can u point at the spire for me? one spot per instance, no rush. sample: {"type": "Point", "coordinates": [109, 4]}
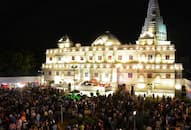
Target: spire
{"type": "Point", "coordinates": [153, 9]}
{"type": "Point", "coordinates": [154, 23]}
{"type": "Point", "coordinates": [64, 42]}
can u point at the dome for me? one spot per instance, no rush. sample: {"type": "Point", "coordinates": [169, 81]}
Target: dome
{"type": "Point", "coordinates": [106, 39]}
{"type": "Point", "coordinates": [64, 39]}
{"type": "Point", "coordinates": [64, 42]}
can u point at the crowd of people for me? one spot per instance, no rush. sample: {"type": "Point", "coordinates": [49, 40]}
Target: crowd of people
{"type": "Point", "coordinates": [49, 109]}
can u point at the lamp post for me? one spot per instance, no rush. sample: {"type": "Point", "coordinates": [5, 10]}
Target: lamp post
{"type": "Point", "coordinates": [41, 77]}
{"type": "Point", "coordinates": [61, 114]}
{"type": "Point", "coordinates": [74, 68]}
{"type": "Point", "coordinates": [21, 90]}
{"type": "Point", "coordinates": [134, 123]}
{"type": "Point", "coordinates": [150, 88]}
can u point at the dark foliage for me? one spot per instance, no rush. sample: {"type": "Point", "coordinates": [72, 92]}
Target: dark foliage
{"type": "Point", "coordinates": [19, 63]}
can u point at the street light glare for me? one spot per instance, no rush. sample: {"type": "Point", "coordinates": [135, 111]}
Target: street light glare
{"type": "Point", "coordinates": [134, 112]}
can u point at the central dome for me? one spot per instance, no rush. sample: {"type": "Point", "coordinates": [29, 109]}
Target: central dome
{"type": "Point", "coordinates": [106, 39]}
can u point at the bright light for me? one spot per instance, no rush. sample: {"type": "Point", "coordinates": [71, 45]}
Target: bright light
{"type": "Point", "coordinates": [148, 67]}
{"type": "Point", "coordinates": [141, 85]}
{"type": "Point", "coordinates": [99, 49]}
{"type": "Point", "coordinates": [86, 49]}
{"type": "Point", "coordinates": [60, 40]}
{"type": "Point", "coordinates": [164, 48]}
{"type": "Point", "coordinates": [147, 34]}
{"type": "Point", "coordinates": [141, 78]}
{"type": "Point", "coordinates": [157, 66]}
{"type": "Point", "coordinates": [101, 66]}
{"type": "Point", "coordinates": [164, 67]}
{"type": "Point", "coordinates": [140, 66]}
{"type": "Point", "coordinates": [118, 66]}
{"type": "Point", "coordinates": [82, 66]}
{"type": "Point", "coordinates": [20, 85]}
{"type": "Point", "coordinates": [108, 66]}
{"type": "Point", "coordinates": [95, 66]}
{"type": "Point", "coordinates": [157, 80]}
{"type": "Point", "coordinates": [171, 48]}
{"type": "Point", "coordinates": [176, 67]}
{"type": "Point", "coordinates": [134, 113]}
{"type": "Point", "coordinates": [158, 58]}
{"type": "Point", "coordinates": [172, 67]}
{"type": "Point", "coordinates": [158, 48]}
{"type": "Point", "coordinates": [178, 86]}
{"type": "Point", "coordinates": [88, 65]}
{"type": "Point", "coordinates": [168, 82]}
{"type": "Point", "coordinates": [57, 79]}
{"type": "Point", "coordinates": [134, 66]}
{"type": "Point", "coordinates": [142, 58]}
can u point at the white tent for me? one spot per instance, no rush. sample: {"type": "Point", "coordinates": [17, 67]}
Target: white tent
{"type": "Point", "coordinates": [14, 81]}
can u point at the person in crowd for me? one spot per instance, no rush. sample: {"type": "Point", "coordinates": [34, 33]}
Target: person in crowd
{"type": "Point", "coordinates": [40, 109]}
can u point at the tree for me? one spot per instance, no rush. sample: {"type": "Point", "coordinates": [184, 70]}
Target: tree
{"type": "Point", "coordinates": [16, 63]}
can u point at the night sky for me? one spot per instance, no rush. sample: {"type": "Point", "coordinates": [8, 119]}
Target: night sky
{"type": "Point", "coordinates": [37, 26]}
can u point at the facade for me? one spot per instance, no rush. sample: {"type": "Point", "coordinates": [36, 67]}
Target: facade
{"type": "Point", "coordinates": [147, 67]}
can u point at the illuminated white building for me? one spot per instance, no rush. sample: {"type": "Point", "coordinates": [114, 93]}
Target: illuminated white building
{"type": "Point", "coordinates": [148, 66]}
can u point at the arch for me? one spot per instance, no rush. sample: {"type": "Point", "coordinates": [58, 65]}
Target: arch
{"type": "Point", "coordinates": [141, 78]}
{"type": "Point", "coordinates": [158, 58]}
{"type": "Point", "coordinates": [142, 57]}
{"type": "Point", "coordinates": [157, 79]}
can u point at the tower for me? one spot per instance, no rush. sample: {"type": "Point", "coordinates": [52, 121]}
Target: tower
{"type": "Point", "coordinates": [154, 26]}
{"type": "Point", "coordinates": [156, 51]}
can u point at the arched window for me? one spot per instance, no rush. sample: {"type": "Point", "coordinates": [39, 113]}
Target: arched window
{"type": "Point", "coordinates": [157, 79]}
{"type": "Point", "coordinates": [153, 20]}
{"type": "Point", "coordinates": [143, 58]}
{"type": "Point", "coordinates": [158, 58]}
{"type": "Point", "coordinates": [154, 12]}
{"type": "Point", "coordinates": [141, 78]}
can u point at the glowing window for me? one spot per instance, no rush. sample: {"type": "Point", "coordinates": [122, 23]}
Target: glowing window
{"type": "Point", "coordinates": [149, 75]}
{"type": "Point", "coordinates": [109, 57]}
{"type": "Point", "coordinates": [150, 57]}
{"type": "Point", "coordinates": [130, 75]}
{"type": "Point", "coordinates": [130, 57]}
{"type": "Point", "coordinates": [81, 58]}
{"type": "Point", "coordinates": [167, 57]}
{"type": "Point", "coordinates": [178, 75]}
{"type": "Point", "coordinates": [120, 57]}
{"type": "Point", "coordinates": [69, 73]}
{"type": "Point", "coordinates": [86, 74]}
{"type": "Point", "coordinates": [168, 76]}
{"type": "Point", "coordinates": [99, 57]}
{"type": "Point", "coordinates": [90, 57]}
{"type": "Point", "coordinates": [95, 74]}
{"type": "Point", "coordinates": [73, 57]}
